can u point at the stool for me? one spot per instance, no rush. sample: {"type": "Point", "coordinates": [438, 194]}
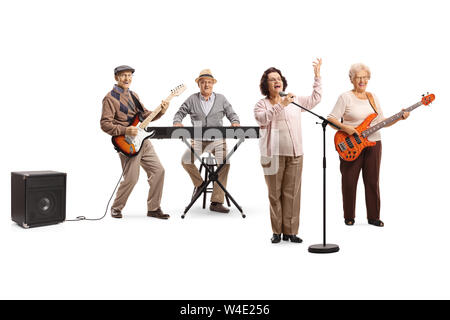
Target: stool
{"type": "Point", "coordinates": [209, 162]}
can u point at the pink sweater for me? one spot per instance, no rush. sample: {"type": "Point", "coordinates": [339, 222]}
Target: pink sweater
{"type": "Point", "coordinates": [267, 116]}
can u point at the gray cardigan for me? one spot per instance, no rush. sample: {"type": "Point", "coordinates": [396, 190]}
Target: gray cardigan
{"type": "Point", "coordinates": [193, 107]}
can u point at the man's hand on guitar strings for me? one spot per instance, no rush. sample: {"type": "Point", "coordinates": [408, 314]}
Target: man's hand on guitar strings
{"type": "Point", "coordinates": [131, 131]}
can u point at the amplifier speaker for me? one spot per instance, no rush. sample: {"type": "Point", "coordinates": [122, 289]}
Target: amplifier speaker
{"type": "Point", "coordinates": [38, 198]}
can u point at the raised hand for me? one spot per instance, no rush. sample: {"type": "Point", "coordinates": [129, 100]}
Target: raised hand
{"type": "Point", "coordinates": [316, 65]}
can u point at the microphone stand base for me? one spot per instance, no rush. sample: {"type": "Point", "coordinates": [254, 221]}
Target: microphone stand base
{"type": "Point", "coordinates": [321, 248]}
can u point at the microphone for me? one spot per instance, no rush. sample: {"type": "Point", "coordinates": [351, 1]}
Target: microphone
{"type": "Point", "coordinates": [283, 94]}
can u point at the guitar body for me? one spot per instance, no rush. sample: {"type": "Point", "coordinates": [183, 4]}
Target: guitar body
{"type": "Point", "coordinates": [130, 146]}
{"type": "Point", "coordinates": [350, 147]}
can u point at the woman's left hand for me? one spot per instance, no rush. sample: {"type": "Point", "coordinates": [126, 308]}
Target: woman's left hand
{"type": "Point", "coordinates": [316, 66]}
{"type": "Point", "coordinates": [405, 114]}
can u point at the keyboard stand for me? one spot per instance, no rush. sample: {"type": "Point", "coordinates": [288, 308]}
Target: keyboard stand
{"type": "Point", "coordinates": [212, 176]}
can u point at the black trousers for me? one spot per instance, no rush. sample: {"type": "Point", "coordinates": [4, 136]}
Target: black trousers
{"type": "Point", "coordinates": [369, 163]}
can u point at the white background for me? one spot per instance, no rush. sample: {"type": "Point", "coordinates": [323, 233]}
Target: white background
{"type": "Point", "coordinates": [57, 60]}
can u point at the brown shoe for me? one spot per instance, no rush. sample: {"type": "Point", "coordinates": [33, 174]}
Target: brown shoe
{"type": "Point", "coordinates": [116, 214]}
{"type": "Point", "coordinates": [218, 207]}
{"type": "Point", "coordinates": [158, 214]}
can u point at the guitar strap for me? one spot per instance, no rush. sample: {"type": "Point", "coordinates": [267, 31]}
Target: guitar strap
{"type": "Point", "coordinates": [138, 105]}
{"type": "Point", "coordinates": [372, 101]}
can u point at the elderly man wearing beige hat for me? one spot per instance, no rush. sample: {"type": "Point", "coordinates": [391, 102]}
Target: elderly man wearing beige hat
{"type": "Point", "coordinates": [207, 109]}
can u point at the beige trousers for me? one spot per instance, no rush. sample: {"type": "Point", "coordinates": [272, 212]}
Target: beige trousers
{"type": "Point", "coordinates": [219, 149]}
{"type": "Point", "coordinates": [148, 159]}
{"type": "Point", "coordinates": [283, 176]}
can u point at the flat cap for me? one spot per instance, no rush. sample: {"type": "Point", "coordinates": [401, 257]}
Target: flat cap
{"type": "Point", "coordinates": [123, 68]}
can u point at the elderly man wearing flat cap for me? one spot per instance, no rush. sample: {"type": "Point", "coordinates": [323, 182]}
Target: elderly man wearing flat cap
{"type": "Point", "coordinates": [120, 106]}
{"type": "Point", "coordinates": [207, 109]}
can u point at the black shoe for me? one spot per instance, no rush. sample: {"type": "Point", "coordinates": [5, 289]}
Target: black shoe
{"type": "Point", "coordinates": [293, 238]}
{"type": "Point", "coordinates": [276, 238]}
{"type": "Point", "coordinates": [377, 223]}
{"type": "Point", "coordinates": [349, 222]}
{"type": "Point", "coordinates": [218, 207]}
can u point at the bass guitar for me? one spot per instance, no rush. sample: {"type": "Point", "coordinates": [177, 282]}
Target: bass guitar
{"type": "Point", "coordinates": [350, 147]}
{"type": "Point", "coordinates": [130, 146]}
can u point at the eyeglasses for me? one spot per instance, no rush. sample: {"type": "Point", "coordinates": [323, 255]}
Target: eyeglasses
{"type": "Point", "coordinates": [125, 75]}
{"type": "Point", "coordinates": [362, 78]}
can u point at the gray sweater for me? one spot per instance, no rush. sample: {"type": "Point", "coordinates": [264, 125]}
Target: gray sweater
{"type": "Point", "coordinates": [193, 107]}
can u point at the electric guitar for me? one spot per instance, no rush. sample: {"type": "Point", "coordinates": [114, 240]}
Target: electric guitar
{"type": "Point", "coordinates": [130, 146]}
{"type": "Point", "coordinates": [350, 147]}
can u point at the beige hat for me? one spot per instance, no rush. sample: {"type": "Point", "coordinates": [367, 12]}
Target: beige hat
{"type": "Point", "coordinates": [205, 73]}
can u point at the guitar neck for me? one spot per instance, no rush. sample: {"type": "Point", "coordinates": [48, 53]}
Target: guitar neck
{"type": "Point", "coordinates": [388, 121]}
{"type": "Point", "coordinates": [144, 124]}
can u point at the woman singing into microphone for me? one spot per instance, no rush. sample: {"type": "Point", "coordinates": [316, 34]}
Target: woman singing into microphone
{"type": "Point", "coordinates": [281, 149]}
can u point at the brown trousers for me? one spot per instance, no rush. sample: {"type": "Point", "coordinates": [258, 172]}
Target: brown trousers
{"type": "Point", "coordinates": [148, 159]}
{"type": "Point", "coordinates": [369, 162]}
{"type": "Point", "coordinates": [219, 149]}
{"type": "Point", "coordinates": [284, 182]}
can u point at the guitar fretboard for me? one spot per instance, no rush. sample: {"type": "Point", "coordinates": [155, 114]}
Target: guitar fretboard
{"type": "Point", "coordinates": [174, 93]}
{"type": "Point", "coordinates": [154, 113]}
{"type": "Point", "coordinates": [388, 121]}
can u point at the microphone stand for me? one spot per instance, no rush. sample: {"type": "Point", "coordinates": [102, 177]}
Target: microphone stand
{"type": "Point", "coordinates": [323, 247]}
